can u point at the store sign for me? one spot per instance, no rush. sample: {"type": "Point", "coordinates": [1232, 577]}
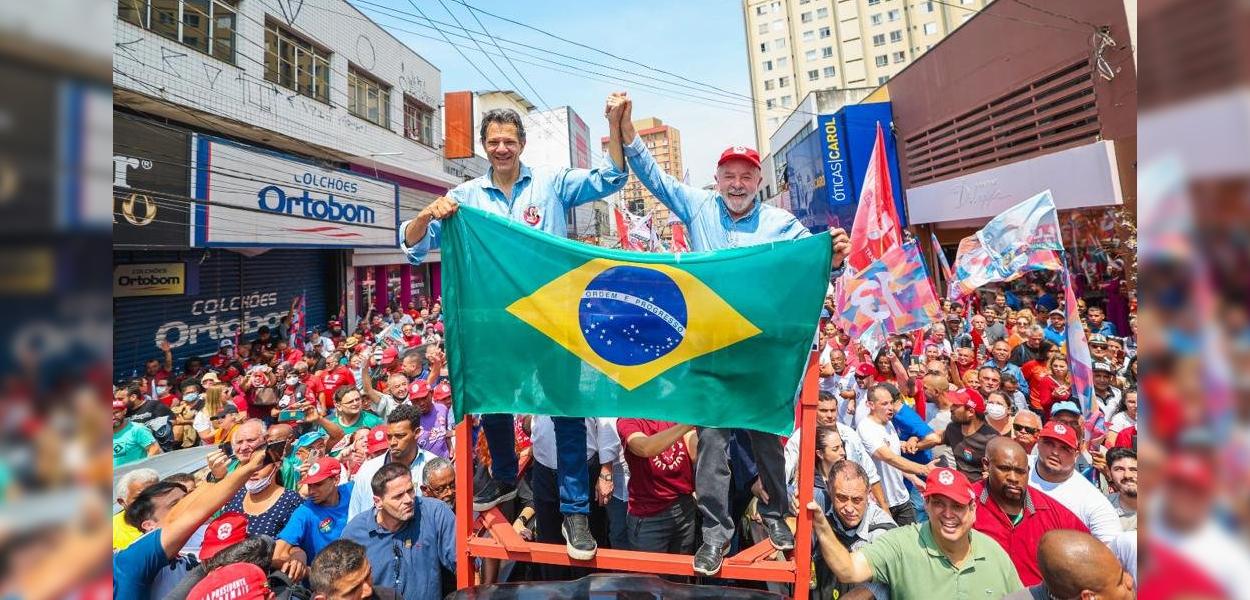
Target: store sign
{"type": "Point", "coordinates": [154, 279]}
{"type": "Point", "coordinates": [151, 184]}
{"type": "Point", "coordinates": [207, 320]}
{"type": "Point", "coordinates": [1081, 177]}
{"type": "Point", "coordinates": [261, 198]}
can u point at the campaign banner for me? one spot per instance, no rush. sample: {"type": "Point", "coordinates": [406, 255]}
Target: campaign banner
{"type": "Point", "coordinates": [258, 198]}
{"type": "Point", "coordinates": [893, 295]}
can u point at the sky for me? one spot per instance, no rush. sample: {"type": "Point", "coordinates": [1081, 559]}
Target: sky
{"type": "Point", "coordinates": [701, 40]}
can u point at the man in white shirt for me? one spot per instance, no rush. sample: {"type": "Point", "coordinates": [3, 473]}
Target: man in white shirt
{"type": "Point", "coordinates": [827, 414]}
{"type": "Point", "coordinates": [403, 426]}
{"type": "Point", "coordinates": [1055, 474]}
{"type": "Point", "coordinates": [853, 406]}
{"type": "Point", "coordinates": [881, 440]}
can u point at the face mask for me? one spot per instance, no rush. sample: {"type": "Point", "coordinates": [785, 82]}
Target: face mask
{"type": "Point", "coordinates": [160, 390]}
{"type": "Point", "coordinates": [190, 397]}
{"type": "Point", "coordinates": [292, 380]}
{"type": "Point", "coordinates": [996, 411]}
{"type": "Point", "coordinates": [255, 487]}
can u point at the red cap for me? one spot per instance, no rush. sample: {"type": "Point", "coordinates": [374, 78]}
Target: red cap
{"type": "Point", "coordinates": [865, 370]}
{"type": "Point", "coordinates": [442, 391]}
{"type": "Point", "coordinates": [389, 355]}
{"type": "Point", "coordinates": [747, 154]}
{"type": "Point", "coordinates": [418, 389]}
{"type": "Point", "coordinates": [950, 483]}
{"type": "Point", "coordinates": [1058, 431]}
{"type": "Point", "coordinates": [237, 581]}
{"type": "Point", "coordinates": [223, 532]}
{"type": "Point", "coordinates": [971, 399]}
{"type": "Point", "coordinates": [1189, 469]}
{"type": "Point", "coordinates": [378, 439]}
{"type": "Point", "coordinates": [323, 469]}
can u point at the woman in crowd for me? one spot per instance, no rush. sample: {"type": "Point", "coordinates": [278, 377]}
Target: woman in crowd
{"type": "Point", "coordinates": [1053, 385]}
{"type": "Point", "coordinates": [998, 412]}
{"type": "Point", "coordinates": [266, 503]}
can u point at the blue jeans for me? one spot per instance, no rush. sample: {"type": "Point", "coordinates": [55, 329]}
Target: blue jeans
{"type": "Point", "coordinates": [570, 458]}
{"type": "Point", "coordinates": [918, 501]}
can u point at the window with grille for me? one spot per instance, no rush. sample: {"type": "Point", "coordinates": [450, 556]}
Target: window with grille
{"type": "Point", "coordinates": [368, 98]}
{"type": "Point", "coordinates": [205, 25]}
{"type": "Point", "coordinates": [296, 64]}
{"type": "Point", "coordinates": [418, 121]}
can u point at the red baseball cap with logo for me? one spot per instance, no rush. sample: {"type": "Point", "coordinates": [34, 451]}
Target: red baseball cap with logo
{"type": "Point", "coordinates": [389, 355]}
{"type": "Point", "coordinates": [235, 581]}
{"type": "Point", "coordinates": [732, 152]}
{"type": "Point", "coordinates": [972, 399]}
{"type": "Point", "coordinates": [378, 439]}
{"type": "Point", "coordinates": [323, 469]}
{"type": "Point", "coordinates": [442, 391]}
{"type": "Point", "coordinates": [1190, 470]}
{"type": "Point", "coordinates": [1060, 432]}
{"type": "Point", "coordinates": [223, 532]}
{"type": "Point", "coordinates": [418, 389]}
{"type": "Point", "coordinates": [865, 370]}
{"type": "Point", "coordinates": [948, 482]}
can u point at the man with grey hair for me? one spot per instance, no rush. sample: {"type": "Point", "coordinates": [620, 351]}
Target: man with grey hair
{"type": "Point", "coordinates": [440, 481]}
{"type": "Point", "coordinates": [129, 486]}
{"type": "Point", "coordinates": [539, 197]}
{"type": "Point", "coordinates": [246, 439]}
{"type": "Point", "coordinates": [1034, 347]}
{"type": "Point", "coordinates": [848, 516]}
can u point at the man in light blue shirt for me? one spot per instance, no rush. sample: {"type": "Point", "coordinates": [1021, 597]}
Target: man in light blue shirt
{"type": "Point", "coordinates": [539, 197]}
{"type": "Point", "coordinates": [728, 216]}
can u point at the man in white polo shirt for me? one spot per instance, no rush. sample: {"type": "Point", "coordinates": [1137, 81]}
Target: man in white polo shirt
{"type": "Point", "coordinates": [1055, 474]}
{"type": "Point", "coordinates": [881, 441]}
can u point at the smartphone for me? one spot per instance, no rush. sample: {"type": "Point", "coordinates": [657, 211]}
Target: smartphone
{"type": "Point", "coordinates": [286, 416]}
{"type": "Point", "coordinates": [226, 449]}
{"type": "Point", "coordinates": [275, 452]}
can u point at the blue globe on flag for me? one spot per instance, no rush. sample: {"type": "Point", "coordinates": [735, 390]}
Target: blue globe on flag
{"type": "Point", "coordinates": [632, 315]}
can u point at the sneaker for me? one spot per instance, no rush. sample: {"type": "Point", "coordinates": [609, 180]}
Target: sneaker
{"type": "Point", "coordinates": [578, 541]}
{"type": "Point", "coordinates": [491, 494]}
{"type": "Point", "coordinates": [779, 534]}
{"type": "Point", "coordinates": [708, 559]}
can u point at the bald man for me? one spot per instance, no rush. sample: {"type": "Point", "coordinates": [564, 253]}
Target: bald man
{"type": "Point", "coordinates": [1076, 565]}
{"type": "Point", "coordinates": [1014, 514]}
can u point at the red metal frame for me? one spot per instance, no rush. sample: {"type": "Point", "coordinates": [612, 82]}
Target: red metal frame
{"type": "Point", "coordinates": [753, 564]}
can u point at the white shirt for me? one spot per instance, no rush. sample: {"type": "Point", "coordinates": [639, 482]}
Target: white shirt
{"type": "Point", "coordinates": [1121, 420]}
{"type": "Point", "coordinates": [1125, 549]}
{"type": "Point", "coordinates": [876, 435]}
{"type": "Point", "coordinates": [362, 492]}
{"type": "Point", "coordinates": [324, 346]}
{"type": "Point", "coordinates": [854, 447]}
{"type": "Point", "coordinates": [1212, 548]}
{"type": "Point", "coordinates": [1083, 499]}
{"type": "Point", "coordinates": [601, 438]}
{"type": "Point", "coordinates": [830, 383]}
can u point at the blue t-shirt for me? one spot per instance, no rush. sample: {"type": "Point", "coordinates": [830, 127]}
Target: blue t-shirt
{"type": "Point", "coordinates": [312, 526]}
{"type": "Point", "coordinates": [909, 424]}
{"type": "Point", "coordinates": [136, 567]}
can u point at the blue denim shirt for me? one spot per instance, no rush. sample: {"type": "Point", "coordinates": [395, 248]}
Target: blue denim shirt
{"type": "Point", "coordinates": [1013, 371]}
{"type": "Point", "coordinates": [540, 197]}
{"type": "Point", "coordinates": [408, 560]}
{"type": "Point", "coordinates": [704, 212]}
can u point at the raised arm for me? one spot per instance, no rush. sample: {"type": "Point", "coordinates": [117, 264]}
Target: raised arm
{"type": "Point", "coordinates": [193, 509]}
{"type": "Point", "coordinates": [680, 198]}
{"type": "Point", "coordinates": [848, 567]}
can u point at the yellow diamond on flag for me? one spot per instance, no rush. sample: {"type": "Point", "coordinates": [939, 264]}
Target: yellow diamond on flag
{"type": "Point", "coordinates": [632, 321]}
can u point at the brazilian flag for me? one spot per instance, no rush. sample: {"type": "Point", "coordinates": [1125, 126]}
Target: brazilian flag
{"type": "Point", "coordinates": [541, 324]}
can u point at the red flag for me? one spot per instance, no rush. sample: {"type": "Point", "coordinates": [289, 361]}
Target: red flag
{"type": "Point", "coordinates": [622, 230]}
{"type": "Point", "coordinates": [679, 238]}
{"type": "Point", "coordinates": [876, 227]}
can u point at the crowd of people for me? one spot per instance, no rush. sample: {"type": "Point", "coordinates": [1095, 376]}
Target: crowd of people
{"type": "Point", "coordinates": [952, 462]}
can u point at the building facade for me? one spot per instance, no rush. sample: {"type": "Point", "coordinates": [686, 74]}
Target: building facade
{"type": "Point", "coordinates": [664, 142]}
{"type": "Point", "coordinates": [263, 151]}
{"type": "Point", "coordinates": [797, 46]}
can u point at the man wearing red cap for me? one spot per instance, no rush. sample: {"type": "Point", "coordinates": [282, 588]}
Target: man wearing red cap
{"type": "Point", "coordinates": [1014, 514]}
{"type": "Point", "coordinates": [436, 429]}
{"type": "Point", "coordinates": [968, 433]}
{"type": "Point", "coordinates": [238, 581]}
{"type": "Point", "coordinates": [1054, 473]}
{"type": "Point", "coordinates": [319, 520]}
{"type": "Point", "coordinates": [727, 216]}
{"type": "Point", "coordinates": [943, 558]}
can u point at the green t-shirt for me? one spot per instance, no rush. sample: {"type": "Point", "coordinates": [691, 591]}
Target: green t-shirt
{"type": "Point", "coordinates": [909, 561]}
{"type": "Point", "coordinates": [131, 443]}
{"type": "Point", "coordinates": [367, 420]}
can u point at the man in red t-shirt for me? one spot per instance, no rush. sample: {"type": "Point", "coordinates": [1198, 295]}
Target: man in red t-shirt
{"type": "Point", "coordinates": [662, 511]}
{"type": "Point", "coordinates": [1012, 512]}
{"type": "Point", "coordinates": [333, 378]}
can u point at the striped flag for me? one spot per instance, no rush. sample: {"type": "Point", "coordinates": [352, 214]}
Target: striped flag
{"type": "Point", "coordinates": [1080, 364]}
{"type": "Point", "coordinates": [946, 266]}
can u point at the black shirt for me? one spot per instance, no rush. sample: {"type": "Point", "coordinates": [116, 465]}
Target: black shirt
{"type": "Point", "coordinates": [968, 450]}
{"type": "Point", "coordinates": [158, 419]}
{"type": "Point", "coordinates": [1023, 353]}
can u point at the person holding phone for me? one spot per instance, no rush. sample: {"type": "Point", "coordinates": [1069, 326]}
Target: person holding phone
{"type": "Point", "coordinates": [266, 503]}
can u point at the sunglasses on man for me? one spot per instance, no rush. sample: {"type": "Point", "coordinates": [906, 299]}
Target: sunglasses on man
{"type": "Point", "coordinates": [1026, 429]}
